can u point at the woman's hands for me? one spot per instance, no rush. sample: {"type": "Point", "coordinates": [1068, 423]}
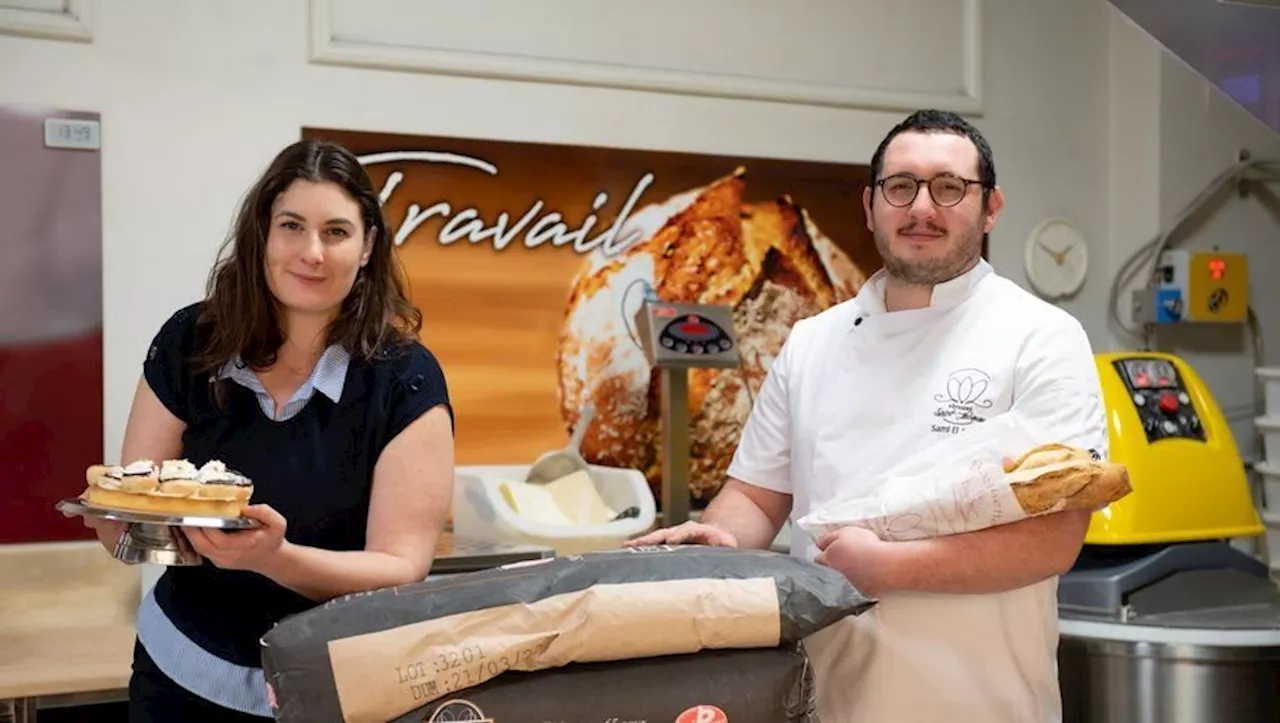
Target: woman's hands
{"type": "Point", "coordinates": [253, 550]}
{"type": "Point", "coordinates": [109, 531]}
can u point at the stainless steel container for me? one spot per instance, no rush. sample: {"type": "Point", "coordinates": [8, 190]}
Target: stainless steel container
{"type": "Point", "coordinates": [1131, 680]}
{"type": "Point", "coordinates": [1183, 633]}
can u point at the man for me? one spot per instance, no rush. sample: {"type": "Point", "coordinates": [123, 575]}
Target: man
{"type": "Point", "coordinates": [933, 344]}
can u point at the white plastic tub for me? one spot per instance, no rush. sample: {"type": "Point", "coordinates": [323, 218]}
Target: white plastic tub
{"type": "Point", "coordinates": [1272, 522]}
{"type": "Point", "coordinates": [1270, 378]}
{"type": "Point", "coordinates": [481, 513]}
{"type": "Point", "coordinates": [1269, 428]}
{"type": "Point", "coordinates": [1269, 472]}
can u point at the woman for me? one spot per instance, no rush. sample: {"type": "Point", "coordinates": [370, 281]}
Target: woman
{"type": "Point", "coordinates": [301, 369]}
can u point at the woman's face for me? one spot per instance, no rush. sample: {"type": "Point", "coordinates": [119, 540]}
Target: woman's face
{"type": "Point", "coordinates": [316, 244]}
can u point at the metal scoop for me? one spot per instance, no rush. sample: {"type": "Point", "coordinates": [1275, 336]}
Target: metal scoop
{"type": "Point", "coordinates": [554, 465]}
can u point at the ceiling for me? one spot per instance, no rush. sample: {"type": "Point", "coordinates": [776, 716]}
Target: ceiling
{"type": "Point", "coordinates": [1235, 44]}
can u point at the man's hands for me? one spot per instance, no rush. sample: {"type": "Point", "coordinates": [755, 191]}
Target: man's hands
{"type": "Point", "coordinates": [251, 550]}
{"type": "Point", "coordinates": [688, 533]}
{"type": "Point", "coordinates": [741, 515]}
{"type": "Point", "coordinates": [860, 556]}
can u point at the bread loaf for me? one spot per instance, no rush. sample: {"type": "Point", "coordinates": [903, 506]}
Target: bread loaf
{"type": "Point", "coordinates": [1056, 477]}
{"type": "Point", "coordinates": [767, 260]}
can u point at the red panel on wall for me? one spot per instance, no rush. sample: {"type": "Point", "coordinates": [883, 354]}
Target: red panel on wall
{"type": "Point", "coordinates": [50, 430]}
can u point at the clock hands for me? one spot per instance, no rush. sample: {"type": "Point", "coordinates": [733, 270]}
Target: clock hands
{"type": "Point", "coordinates": [1058, 256]}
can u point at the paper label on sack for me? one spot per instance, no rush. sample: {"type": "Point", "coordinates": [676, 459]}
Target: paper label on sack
{"type": "Point", "coordinates": [380, 676]}
{"type": "Point", "coordinates": [955, 486]}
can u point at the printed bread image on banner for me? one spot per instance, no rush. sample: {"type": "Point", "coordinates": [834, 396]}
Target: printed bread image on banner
{"type": "Point", "coordinates": [530, 260]}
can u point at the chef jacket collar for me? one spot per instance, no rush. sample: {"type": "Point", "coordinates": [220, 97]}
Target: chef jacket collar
{"type": "Point", "coordinates": [870, 298]}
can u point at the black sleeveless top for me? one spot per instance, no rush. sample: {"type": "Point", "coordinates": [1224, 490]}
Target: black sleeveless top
{"type": "Point", "coordinates": [315, 469]}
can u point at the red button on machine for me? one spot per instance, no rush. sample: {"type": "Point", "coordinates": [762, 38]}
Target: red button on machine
{"type": "Point", "coordinates": [1168, 402]}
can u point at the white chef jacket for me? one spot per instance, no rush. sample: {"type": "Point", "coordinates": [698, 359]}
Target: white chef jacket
{"type": "Point", "coordinates": [854, 390]}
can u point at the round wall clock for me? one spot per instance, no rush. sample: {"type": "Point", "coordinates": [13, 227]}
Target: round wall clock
{"type": "Point", "coordinates": [1057, 258]}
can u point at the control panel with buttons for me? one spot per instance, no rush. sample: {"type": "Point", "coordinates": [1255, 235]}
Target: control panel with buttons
{"type": "Point", "coordinates": [1161, 400]}
{"type": "Point", "coordinates": [687, 335]}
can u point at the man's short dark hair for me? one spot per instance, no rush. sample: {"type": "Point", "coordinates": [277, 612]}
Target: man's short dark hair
{"type": "Point", "coordinates": [941, 121]}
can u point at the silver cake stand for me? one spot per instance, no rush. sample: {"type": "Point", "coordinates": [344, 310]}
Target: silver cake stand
{"type": "Point", "coordinates": [153, 537]}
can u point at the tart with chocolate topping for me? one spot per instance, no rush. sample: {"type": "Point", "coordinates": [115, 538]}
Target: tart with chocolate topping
{"type": "Point", "coordinates": [172, 487]}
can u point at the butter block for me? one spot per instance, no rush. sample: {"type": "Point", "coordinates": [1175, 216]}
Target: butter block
{"type": "Point", "coordinates": [569, 500]}
{"type": "Point", "coordinates": [533, 502]}
{"type": "Point", "coordinates": [576, 496]}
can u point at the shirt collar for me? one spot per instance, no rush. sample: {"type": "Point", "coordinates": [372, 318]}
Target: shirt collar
{"type": "Point", "coordinates": [329, 376]}
{"type": "Point", "coordinates": [870, 297]}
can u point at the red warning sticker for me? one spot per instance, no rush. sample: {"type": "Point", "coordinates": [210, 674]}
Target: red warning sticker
{"type": "Point", "coordinates": [703, 714]}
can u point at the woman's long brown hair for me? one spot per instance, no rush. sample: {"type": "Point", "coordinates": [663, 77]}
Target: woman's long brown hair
{"type": "Point", "coordinates": [239, 316]}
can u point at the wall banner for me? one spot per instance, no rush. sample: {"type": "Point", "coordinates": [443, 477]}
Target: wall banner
{"type": "Point", "coordinates": [528, 261]}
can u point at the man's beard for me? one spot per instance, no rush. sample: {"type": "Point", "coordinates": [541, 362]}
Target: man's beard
{"type": "Point", "coordinates": [929, 272]}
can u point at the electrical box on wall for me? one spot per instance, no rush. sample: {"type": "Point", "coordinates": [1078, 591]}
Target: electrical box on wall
{"type": "Point", "coordinates": [1196, 287]}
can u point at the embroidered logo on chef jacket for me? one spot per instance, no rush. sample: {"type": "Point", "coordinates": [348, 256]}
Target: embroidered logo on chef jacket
{"type": "Point", "coordinates": [962, 401]}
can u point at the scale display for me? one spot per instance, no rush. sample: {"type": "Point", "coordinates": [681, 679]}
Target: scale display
{"type": "Point", "coordinates": [687, 335]}
{"type": "Point", "coordinates": [694, 334]}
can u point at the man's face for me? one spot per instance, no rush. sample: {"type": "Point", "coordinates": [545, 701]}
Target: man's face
{"type": "Point", "coordinates": [926, 242]}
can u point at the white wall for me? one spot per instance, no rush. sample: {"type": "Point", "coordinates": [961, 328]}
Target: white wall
{"type": "Point", "coordinates": [1201, 133]}
{"type": "Point", "coordinates": [195, 98]}
{"type": "Point", "coordinates": [1172, 133]}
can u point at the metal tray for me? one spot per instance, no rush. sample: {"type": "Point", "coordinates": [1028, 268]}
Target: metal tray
{"type": "Point", "coordinates": [76, 506]}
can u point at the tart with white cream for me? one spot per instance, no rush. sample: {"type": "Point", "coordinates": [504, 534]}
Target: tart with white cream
{"type": "Point", "coordinates": [172, 487]}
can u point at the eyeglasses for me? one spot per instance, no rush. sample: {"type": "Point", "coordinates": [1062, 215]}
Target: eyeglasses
{"type": "Point", "coordinates": [945, 190]}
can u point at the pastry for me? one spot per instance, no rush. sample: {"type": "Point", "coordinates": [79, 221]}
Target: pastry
{"type": "Point", "coordinates": [766, 260]}
{"type": "Point", "coordinates": [174, 487]}
{"type": "Point", "coordinates": [1056, 477]}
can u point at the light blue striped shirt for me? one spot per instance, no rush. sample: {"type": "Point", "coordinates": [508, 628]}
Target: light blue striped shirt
{"type": "Point", "coordinates": [229, 685]}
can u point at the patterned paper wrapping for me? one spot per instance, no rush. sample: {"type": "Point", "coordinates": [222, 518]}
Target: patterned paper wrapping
{"type": "Point", "coordinates": [955, 486]}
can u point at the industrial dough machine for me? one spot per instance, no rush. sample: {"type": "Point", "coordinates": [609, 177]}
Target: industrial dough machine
{"type": "Point", "coordinates": [1162, 619]}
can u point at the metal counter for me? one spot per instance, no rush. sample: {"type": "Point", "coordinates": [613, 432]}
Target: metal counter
{"type": "Point", "coordinates": [455, 555]}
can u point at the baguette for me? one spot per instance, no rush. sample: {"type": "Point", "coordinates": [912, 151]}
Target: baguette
{"type": "Point", "coordinates": [1056, 477]}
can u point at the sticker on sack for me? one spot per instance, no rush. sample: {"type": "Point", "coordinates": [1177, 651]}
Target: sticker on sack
{"type": "Point", "coordinates": [458, 710]}
{"type": "Point", "coordinates": [703, 714]}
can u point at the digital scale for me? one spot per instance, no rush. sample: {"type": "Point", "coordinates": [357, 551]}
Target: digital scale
{"type": "Point", "coordinates": [153, 537]}
{"type": "Point", "coordinates": [675, 338]}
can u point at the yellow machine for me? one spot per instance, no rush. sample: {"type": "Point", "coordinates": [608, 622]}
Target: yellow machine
{"type": "Point", "coordinates": [1162, 615]}
{"type": "Point", "coordinates": [1189, 481]}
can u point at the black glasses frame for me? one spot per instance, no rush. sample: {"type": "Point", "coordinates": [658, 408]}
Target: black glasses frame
{"type": "Point", "coordinates": [929, 181]}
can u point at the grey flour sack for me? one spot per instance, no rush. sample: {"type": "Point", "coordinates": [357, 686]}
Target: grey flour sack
{"type": "Point", "coordinates": [707, 626]}
{"type": "Point", "coordinates": [749, 685]}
